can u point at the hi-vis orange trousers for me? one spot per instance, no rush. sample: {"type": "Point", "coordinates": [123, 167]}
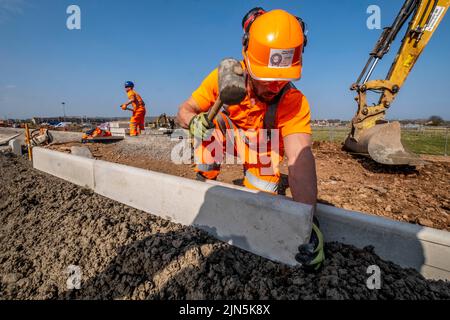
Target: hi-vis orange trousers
{"type": "Point", "coordinates": [137, 121]}
{"type": "Point", "coordinates": [258, 151]}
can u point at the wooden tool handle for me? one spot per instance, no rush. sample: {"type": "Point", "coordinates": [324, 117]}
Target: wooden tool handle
{"type": "Point", "coordinates": [214, 109]}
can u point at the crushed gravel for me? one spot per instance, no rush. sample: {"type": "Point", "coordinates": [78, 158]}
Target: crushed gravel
{"type": "Point", "coordinates": [47, 225]}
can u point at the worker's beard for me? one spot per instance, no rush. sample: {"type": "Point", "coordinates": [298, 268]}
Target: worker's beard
{"type": "Point", "coordinates": [266, 97]}
{"type": "Point", "coordinates": [263, 93]}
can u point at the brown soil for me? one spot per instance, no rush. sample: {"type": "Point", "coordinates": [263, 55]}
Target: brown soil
{"type": "Point", "coordinates": [415, 195]}
{"type": "Point", "coordinates": [47, 224]}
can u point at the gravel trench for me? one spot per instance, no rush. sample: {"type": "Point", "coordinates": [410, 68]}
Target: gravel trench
{"type": "Point", "coordinates": [47, 224]}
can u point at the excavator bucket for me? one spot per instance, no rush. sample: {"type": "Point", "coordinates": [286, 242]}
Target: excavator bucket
{"type": "Point", "coordinates": [382, 143]}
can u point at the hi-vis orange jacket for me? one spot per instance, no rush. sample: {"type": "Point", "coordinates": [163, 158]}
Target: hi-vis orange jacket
{"type": "Point", "coordinates": [138, 102]}
{"type": "Point", "coordinates": [292, 113]}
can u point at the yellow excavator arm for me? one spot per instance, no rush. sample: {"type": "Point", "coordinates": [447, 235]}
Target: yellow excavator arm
{"type": "Point", "coordinates": [371, 134]}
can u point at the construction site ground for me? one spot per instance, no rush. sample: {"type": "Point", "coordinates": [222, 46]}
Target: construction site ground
{"type": "Point", "coordinates": [48, 225]}
{"type": "Point", "coordinates": [416, 195]}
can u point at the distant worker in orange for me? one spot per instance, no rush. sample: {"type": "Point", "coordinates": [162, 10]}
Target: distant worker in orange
{"type": "Point", "coordinates": [137, 120]}
{"type": "Point", "coordinates": [273, 44]}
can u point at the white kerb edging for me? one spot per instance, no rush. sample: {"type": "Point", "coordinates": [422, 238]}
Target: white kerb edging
{"type": "Point", "coordinates": [408, 245]}
{"type": "Point", "coordinates": [76, 169]}
{"type": "Point", "coordinates": [270, 226]}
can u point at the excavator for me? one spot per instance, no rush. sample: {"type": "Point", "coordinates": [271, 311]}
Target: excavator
{"type": "Point", "coordinates": [164, 123]}
{"type": "Point", "coordinates": [371, 134]}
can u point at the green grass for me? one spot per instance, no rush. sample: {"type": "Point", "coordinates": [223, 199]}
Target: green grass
{"type": "Point", "coordinates": [431, 142]}
{"type": "Point", "coordinates": [330, 134]}
{"type": "Point", "coordinates": [428, 141]}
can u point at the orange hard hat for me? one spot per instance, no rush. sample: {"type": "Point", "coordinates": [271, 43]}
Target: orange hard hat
{"type": "Point", "coordinates": [273, 46]}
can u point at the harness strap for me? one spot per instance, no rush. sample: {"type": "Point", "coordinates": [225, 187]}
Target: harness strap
{"type": "Point", "coordinates": [270, 116]}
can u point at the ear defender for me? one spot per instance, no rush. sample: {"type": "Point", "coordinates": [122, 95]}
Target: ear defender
{"type": "Point", "coordinates": [304, 30]}
{"type": "Point", "coordinates": [247, 22]}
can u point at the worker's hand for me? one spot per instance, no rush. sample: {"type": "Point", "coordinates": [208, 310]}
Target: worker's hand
{"type": "Point", "coordinates": [311, 255]}
{"type": "Point", "coordinates": [124, 106]}
{"type": "Point", "coordinates": [200, 126]}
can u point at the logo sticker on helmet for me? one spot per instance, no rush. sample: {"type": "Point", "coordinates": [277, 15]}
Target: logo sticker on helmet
{"type": "Point", "coordinates": [281, 58]}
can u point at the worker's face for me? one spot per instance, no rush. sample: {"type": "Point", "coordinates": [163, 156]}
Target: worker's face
{"type": "Point", "coordinates": [266, 91]}
{"type": "Point", "coordinates": [128, 89]}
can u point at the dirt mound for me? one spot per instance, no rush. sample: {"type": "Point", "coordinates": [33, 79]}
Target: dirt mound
{"type": "Point", "coordinates": [416, 195]}
{"type": "Point", "coordinates": [47, 224]}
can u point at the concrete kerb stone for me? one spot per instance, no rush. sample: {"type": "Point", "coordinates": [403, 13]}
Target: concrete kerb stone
{"type": "Point", "coordinates": [119, 124]}
{"type": "Point", "coordinates": [16, 147]}
{"type": "Point", "coordinates": [8, 139]}
{"type": "Point", "coordinates": [120, 131]}
{"type": "Point", "coordinates": [75, 169]}
{"type": "Point", "coordinates": [424, 249]}
{"type": "Point", "coordinates": [81, 151]}
{"type": "Point", "coordinates": [270, 226]}
{"type": "Point", "coordinates": [267, 219]}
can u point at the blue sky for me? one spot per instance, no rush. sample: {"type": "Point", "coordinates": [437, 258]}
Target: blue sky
{"type": "Point", "coordinates": [168, 47]}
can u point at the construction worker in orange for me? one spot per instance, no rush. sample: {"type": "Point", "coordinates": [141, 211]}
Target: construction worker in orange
{"type": "Point", "coordinates": [137, 120]}
{"type": "Point", "coordinates": [273, 44]}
